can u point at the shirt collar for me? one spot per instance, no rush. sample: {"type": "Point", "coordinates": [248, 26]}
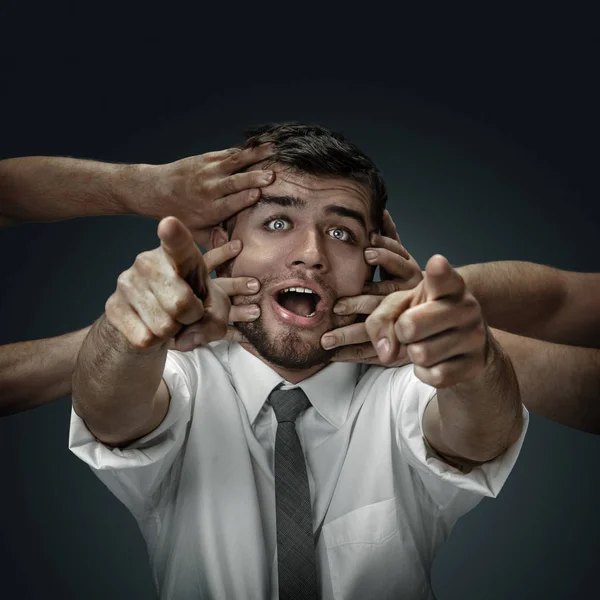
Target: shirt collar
{"type": "Point", "coordinates": [330, 390]}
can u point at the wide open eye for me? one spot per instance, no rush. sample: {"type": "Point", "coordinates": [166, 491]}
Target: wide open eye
{"type": "Point", "coordinates": [343, 235]}
{"type": "Point", "coordinates": [277, 224]}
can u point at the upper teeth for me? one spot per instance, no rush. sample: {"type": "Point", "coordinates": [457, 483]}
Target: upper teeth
{"type": "Point", "coordinates": [302, 290]}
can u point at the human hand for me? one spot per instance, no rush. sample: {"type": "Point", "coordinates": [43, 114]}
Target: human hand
{"type": "Point", "coordinates": [440, 324]}
{"type": "Point", "coordinates": [205, 190]}
{"type": "Point", "coordinates": [398, 271]}
{"type": "Point", "coordinates": [233, 286]}
{"type": "Point", "coordinates": [167, 294]}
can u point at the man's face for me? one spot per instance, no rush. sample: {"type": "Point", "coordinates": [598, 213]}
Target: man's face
{"type": "Point", "coordinates": [304, 241]}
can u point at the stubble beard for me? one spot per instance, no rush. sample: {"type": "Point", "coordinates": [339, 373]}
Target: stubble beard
{"type": "Point", "coordinates": [285, 349]}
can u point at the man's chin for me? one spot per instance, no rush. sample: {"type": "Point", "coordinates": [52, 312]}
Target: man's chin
{"type": "Point", "coordinates": [294, 348]}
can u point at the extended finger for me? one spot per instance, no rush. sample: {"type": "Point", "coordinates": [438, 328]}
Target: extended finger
{"type": "Point", "coordinates": [441, 279]}
{"type": "Point", "coordinates": [178, 245]}
{"type": "Point", "coordinates": [388, 227]}
{"type": "Point", "coordinates": [244, 313]}
{"type": "Point", "coordinates": [389, 286]}
{"type": "Point", "coordinates": [357, 305]}
{"type": "Point", "coordinates": [431, 318]}
{"type": "Point", "coordinates": [395, 265]}
{"type": "Point", "coordinates": [235, 161]}
{"type": "Point", "coordinates": [221, 254]}
{"type": "Point", "coordinates": [447, 345]}
{"type": "Point", "coordinates": [391, 244]}
{"type": "Point", "coordinates": [366, 354]}
{"type": "Point", "coordinates": [358, 353]}
{"type": "Point", "coordinates": [243, 181]}
{"type": "Point", "coordinates": [226, 207]}
{"type": "Point", "coordinates": [344, 336]}
{"type": "Point", "coordinates": [380, 324]}
{"type": "Point", "coordinates": [238, 286]}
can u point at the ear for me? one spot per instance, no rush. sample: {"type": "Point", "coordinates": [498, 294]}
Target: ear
{"type": "Point", "coordinates": [218, 237]}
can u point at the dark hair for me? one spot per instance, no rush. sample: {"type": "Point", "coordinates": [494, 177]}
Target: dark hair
{"type": "Point", "coordinates": [316, 150]}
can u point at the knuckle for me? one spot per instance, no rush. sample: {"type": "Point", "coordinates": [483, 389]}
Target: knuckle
{"type": "Point", "coordinates": [359, 352]}
{"type": "Point", "coordinates": [373, 324]}
{"type": "Point", "coordinates": [180, 302]}
{"type": "Point", "coordinates": [406, 327]}
{"type": "Point", "coordinates": [437, 376]}
{"type": "Point", "coordinates": [143, 262]}
{"type": "Point", "coordinates": [418, 353]}
{"type": "Point", "coordinates": [230, 186]}
{"type": "Point", "coordinates": [470, 301]}
{"type": "Point", "coordinates": [141, 340]}
{"type": "Point", "coordinates": [165, 328]}
{"type": "Point", "coordinates": [124, 281]}
{"type": "Point", "coordinates": [235, 157]}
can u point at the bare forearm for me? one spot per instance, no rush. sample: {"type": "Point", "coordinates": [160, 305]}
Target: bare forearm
{"type": "Point", "coordinates": [115, 385]}
{"type": "Point", "coordinates": [42, 188]}
{"type": "Point", "coordinates": [558, 382]}
{"type": "Point", "coordinates": [538, 301]}
{"type": "Point", "coordinates": [515, 296]}
{"type": "Point", "coordinates": [37, 372]}
{"type": "Point", "coordinates": [478, 419]}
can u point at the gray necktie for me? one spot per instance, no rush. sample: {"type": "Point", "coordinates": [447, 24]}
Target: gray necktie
{"type": "Point", "coordinates": [295, 541]}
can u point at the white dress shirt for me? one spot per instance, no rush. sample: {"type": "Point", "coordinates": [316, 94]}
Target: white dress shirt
{"type": "Point", "coordinates": [201, 486]}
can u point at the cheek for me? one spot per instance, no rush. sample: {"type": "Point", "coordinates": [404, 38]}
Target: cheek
{"type": "Point", "coordinates": [351, 274]}
{"type": "Point", "coordinates": [254, 261]}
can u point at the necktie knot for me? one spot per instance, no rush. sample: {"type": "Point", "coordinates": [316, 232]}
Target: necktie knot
{"type": "Point", "coordinates": [288, 404]}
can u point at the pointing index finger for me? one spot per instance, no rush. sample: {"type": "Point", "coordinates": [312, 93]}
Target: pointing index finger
{"type": "Point", "coordinates": [178, 244]}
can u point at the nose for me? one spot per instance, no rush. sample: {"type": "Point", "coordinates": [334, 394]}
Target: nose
{"type": "Point", "coordinates": [309, 252]}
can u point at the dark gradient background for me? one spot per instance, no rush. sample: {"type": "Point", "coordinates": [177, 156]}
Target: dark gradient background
{"type": "Point", "coordinates": [487, 134]}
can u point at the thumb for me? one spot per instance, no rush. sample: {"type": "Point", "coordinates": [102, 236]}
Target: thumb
{"type": "Point", "coordinates": [441, 279]}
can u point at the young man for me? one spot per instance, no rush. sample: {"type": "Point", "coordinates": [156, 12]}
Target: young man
{"type": "Point", "coordinates": [202, 190]}
{"type": "Point", "coordinates": [261, 469]}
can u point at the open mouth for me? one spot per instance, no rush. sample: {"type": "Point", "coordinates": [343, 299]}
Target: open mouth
{"type": "Point", "coordinates": [301, 301]}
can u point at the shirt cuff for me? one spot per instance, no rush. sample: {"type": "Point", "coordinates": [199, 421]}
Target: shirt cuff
{"type": "Point", "coordinates": [149, 449]}
{"type": "Point", "coordinates": [486, 479]}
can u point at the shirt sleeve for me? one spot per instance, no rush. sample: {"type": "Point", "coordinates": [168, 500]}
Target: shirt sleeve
{"type": "Point", "coordinates": [452, 489]}
{"type": "Point", "coordinates": [140, 474]}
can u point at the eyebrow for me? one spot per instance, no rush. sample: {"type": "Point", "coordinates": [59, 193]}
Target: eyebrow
{"type": "Point", "coordinates": [342, 211]}
{"type": "Point", "coordinates": [286, 201]}
{"type": "Point", "coordinates": [295, 202]}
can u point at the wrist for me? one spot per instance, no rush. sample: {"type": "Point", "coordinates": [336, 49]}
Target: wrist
{"type": "Point", "coordinates": [141, 189]}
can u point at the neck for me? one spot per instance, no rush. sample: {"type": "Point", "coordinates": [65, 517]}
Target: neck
{"type": "Point", "coordinates": [291, 375]}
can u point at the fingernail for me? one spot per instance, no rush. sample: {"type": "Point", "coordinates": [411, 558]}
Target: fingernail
{"type": "Point", "coordinates": [236, 245]}
{"type": "Point", "coordinates": [383, 347]}
{"type": "Point", "coordinates": [374, 239]}
{"type": "Point", "coordinates": [197, 339]}
{"type": "Point", "coordinates": [253, 285]}
{"type": "Point", "coordinates": [268, 176]}
{"type": "Point", "coordinates": [254, 312]}
{"type": "Point", "coordinates": [370, 254]}
{"type": "Point", "coordinates": [328, 341]}
{"type": "Point", "coordinates": [340, 308]}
